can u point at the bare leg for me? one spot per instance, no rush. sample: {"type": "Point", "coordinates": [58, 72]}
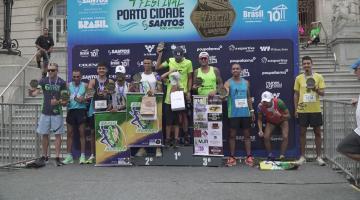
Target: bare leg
{"type": "Point", "coordinates": [318, 141]}
{"type": "Point", "coordinates": [302, 140]}
{"type": "Point", "coordinates": [247, 141]}
{"type": "Point", "coordinates": [285, 137]}
{"type": "Point", "coordinates": [69, 138]}
{"type": "Point", "coordinates": [82, 137]}
{"type": "Point", "coordinates": [232, 141]}
{"type": "Point", "coordinates": [267, 136]}
{"type": "Point", "coordinates": [57, 145]}
{"type": "Point", "coordinates": [45, 144]}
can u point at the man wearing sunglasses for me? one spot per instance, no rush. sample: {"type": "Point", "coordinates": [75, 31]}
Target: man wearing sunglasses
{"type": "Point", "coordinates": [184, 67]}
{"type": "Point", "coordinates": [210, 77]}
{"type": "Point", "coordinates": [76, 116]}
{"type": "Point", "coordinates": [51, 120]}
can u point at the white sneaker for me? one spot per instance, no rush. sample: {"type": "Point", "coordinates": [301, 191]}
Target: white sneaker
{"type": "Point", "coordinates": [320, 161]}
{"type": "Point", "coordinates": [301, 160]}
{"type": "Point", "coordinates": [141, 152]}
{"type": "Point", "coordinates": [158, 152]}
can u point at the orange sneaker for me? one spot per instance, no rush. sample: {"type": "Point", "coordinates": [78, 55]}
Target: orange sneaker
{"type": "Point", "coordinates": [231, 161]}
{"type": "Point", "coordinates": [249, 161]}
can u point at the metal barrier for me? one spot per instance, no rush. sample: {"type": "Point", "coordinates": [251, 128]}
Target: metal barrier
{"type": "Point", "coordinates": [18, 139]}
{"type": "Point", "coordinates": [339, 120]}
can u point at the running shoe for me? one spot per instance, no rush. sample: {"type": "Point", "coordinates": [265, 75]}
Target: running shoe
{"type": "Point", "coordinates": [90, 160]}
{"type": "Point", "coordinates": [249, 161]}
{"type": "Point", "coordinates": [68, 160]}
{"type": "Point", "coordinates": [231, 161]}
{"type": "Point", "coordinates": [82, 160]}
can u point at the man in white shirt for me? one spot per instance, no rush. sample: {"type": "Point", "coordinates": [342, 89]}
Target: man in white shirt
{"type": "Point", "coordinates": [350, 145]}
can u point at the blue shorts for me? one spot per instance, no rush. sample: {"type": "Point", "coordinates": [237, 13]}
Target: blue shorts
{"type": "Point", "coordinates": [50, 124]}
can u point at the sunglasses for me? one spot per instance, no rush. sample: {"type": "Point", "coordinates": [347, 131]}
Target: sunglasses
{"type": "Point", "coordinates": [204, 58]}
{"type": "Point", "coordinates": [76, 76]}
{"type": "Point", "coordinates": [51, 70]}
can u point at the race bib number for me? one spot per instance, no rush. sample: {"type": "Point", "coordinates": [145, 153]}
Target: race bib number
{"type": "Point", "coordinates": [308, 98]}
{"type": "Point", "coordinates": [241, 103]}
{"type": "Point", "coordinates": [100, 104]}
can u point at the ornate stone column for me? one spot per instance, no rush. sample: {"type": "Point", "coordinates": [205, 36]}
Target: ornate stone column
{"type": "Point", "coordinates": [346, 31]}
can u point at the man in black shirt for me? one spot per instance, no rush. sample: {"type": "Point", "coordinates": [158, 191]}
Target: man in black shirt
{"type": "Point", "coordinates": [44, 43]}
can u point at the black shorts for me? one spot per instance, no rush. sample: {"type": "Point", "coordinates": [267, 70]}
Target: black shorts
{"type": "Point", "coordinates": [350, 144]}
{"type": "Point", "coordinates": [310, 119]}
{"type": "Point", "coordinates": [76, 116]}
{"type": "Point", "coordinates": [171, 117]}
{"type": "Point", "coordinates": [240, 122]}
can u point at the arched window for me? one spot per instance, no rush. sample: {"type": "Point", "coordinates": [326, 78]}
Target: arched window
{"type": "Point", "coordinates": [56, 22]}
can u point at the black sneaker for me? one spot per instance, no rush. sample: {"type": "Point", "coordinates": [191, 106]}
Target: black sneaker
{"type": "Point", "coordinates": [58, 162]}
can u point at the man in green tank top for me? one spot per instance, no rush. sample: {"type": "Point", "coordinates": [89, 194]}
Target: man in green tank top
{"type": "Point", "coordinates": [206, 78]}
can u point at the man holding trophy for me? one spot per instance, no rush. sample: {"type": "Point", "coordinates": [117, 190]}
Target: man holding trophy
{"type": "Point", "coordinates": [308, 87]}
{"type": "Point", "coordinates": [51, 120]}
{"type": "Point", "coordinates": [98, 92]}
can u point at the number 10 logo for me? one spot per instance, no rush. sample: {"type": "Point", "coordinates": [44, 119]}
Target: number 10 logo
{"type": "Point", "coordinates": [278, 13]}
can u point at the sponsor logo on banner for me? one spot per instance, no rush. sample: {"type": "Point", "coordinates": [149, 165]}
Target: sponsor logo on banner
{"type": "Point", "coordinates": [116, 62]}
{"type": "Point", "coordinates": [244, 60]}
{"type": "Point", "coordinates": [94, 53]}
{"type": "Point", "coordinates": [248, 49]}
{"type": "Point", "coordinates": [141, 63]}
{"type": "Point", "coordinates": [84, 53]}
{"type": "Point", "coordinates": [110, 134]}
{"type": "Point", "coordinates": [253, 14]}
{"type": "Point", "coordinates": [273, 85]}
{"type": "Point", "coordinates": [92, 24]}
{"type": "Point", "coordinates": [119, 52]}
{"type": "Point", "coordinates": [275, 61]}
{"type": "Point", "coordinates": [93, 2]}
{"type": "Point", "coordinates": [87, 65]}
{"type": "Point", "coordinates": [212, 60]}
{"type": "Point", "coordinates": [269, 48]}
{"type": "Point", "coordinates": [200, 49]}
{"type": "Point", "coordinates": [89, 77]}
{"type": "Point", "coordinates": [244, 73]}
{"type": "Point", "coordinates": [173, 47]}
{"type": "Point", "coordinates": [150, 50]}
{"type": "Point", "coordinates": [278, 13]}
{"type": "Point", "coordinates": [275, 72]}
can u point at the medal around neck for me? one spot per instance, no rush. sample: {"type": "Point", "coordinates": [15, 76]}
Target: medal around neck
{"type": "Point", "coordinates": [310, 83]}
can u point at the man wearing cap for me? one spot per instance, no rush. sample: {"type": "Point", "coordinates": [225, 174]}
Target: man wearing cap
{"type": "Point", "coordinates": [121, 88]}
{"type": "Point", "coordinates": [350, 145]}
{"type": "Point", "coordinates": [240, 113]}
{"type": "Point", "coordinates": [276, 114]}
{"type": "Point", "coordinates": [209, 75]}
{"type": "Point", "coordinates": [308, 87]}
{"type": "Point", "coordinates": [100, 102]}
{"type": "Point", "coordinates": [184, 67]}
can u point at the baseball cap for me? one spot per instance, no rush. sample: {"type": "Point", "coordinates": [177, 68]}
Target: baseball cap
{"type": "Point", "coordinates": [178, 52]}
{"type": "Point", "coordinates": [120, 69]}
{"type": "Point", "coordinates": [204, 55]}
{"type": "Point", "coordinates": [266, 96]}
{"type": "Point", "coordinates": [356, 64]}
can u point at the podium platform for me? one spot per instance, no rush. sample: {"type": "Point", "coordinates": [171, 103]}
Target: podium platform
{"type": "Point", "coordinates": [179, 156]}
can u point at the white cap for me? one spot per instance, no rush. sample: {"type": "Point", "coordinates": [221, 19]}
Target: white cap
{"type": "Point", "coordinates": [204, 55]}
{"type": "Point", "coordinates": [266, 96]}
{"type": "Point", "coordinates": [120, 69]}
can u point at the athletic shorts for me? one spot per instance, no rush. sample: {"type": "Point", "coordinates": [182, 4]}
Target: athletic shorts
{"type": "Point", "coordinates": [91, 121]}
{"type": "Point", "coordinates": [50, 124]}
{"type": "Point", "coordinates": [76, 116]}
{"type": "Point", "coordinates": [350, 144]}
{"type": "Point", "coordinates": [171, 117]}
{"type": "Point", "coordinates": [240, 122]}
{"type": "Point", "coordinates": [310, 119]}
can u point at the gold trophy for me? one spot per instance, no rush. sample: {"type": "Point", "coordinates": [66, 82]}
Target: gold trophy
{"type": "Point", "coordinates": [89, 93]}
{"type": "Point", "coordinates": [136, 82]}
{"type": "Point", "coordinates": [310, 84]}
{"type": "Point", "coordinates": [160, 47]}
{"type": "Point", "coordinates": [221, 90]}
{"type": "Point", "coordinates": [64, 95]}
{"type": "Point", "coordinates": [110, 88]}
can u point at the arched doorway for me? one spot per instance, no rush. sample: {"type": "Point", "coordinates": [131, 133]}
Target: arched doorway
{"type": "Point", "coordinates": [306, 15]}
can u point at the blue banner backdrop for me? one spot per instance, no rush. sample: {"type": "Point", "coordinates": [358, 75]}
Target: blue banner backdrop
{"type": "Point", "coordinates": [261, 35]}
